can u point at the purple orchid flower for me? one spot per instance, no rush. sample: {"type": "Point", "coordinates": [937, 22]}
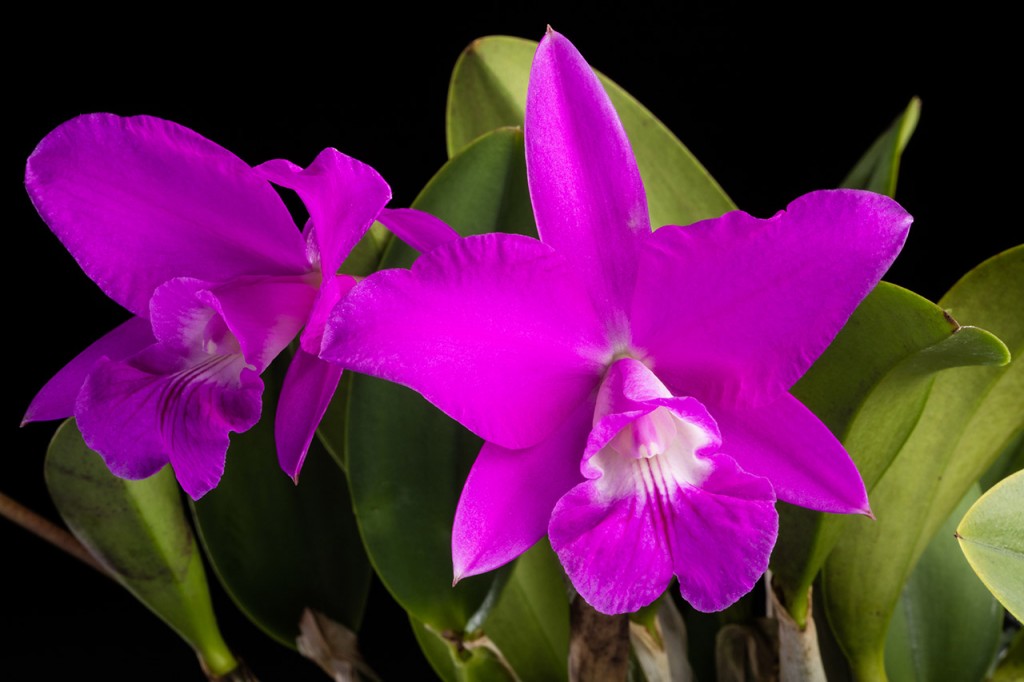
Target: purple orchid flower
{"type": "Point", "coordinates": [631, 385]}
{"type": "Point", "coordinates": [201, 249]}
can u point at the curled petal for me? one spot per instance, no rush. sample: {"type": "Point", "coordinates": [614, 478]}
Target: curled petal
{"type": "Point", "coordinates": [620, 551]}
{"type": "Point", "coordinates": [722, 535]}
{"type": "Point", "coordinates": [139, 201]}
{"type": "Point", "coordinates": [660, 501]}
{"type": "Point", "coordinates": [418, 229]}
{"type": "Point", "coordinates": [308, 387]}
{"type": "Point", "coordinates": [159, 407]}
{"type": "Point", "coordinates": [494, 330]}
{"type": "Point", "coordinates": [507, 500]}
{"type": "Point", "coordinates": [736, 308]}
{"type": "Point", "coordinates": [256, 317]}
{"type": "Point", "coordinates": [343, 197]}
{"type": "Point", "coordinates": [587, 194]}
{"type": "Point", "coordinates": [787, 444]}
{"type": "Point", "coordinates": [56, 400]}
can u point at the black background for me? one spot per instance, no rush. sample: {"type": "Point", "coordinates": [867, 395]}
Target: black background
{"type": "Point", "coordinates": [773, 104]}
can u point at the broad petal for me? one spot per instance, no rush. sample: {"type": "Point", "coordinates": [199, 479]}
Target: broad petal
{"type": "Point", "coordinates": [621, 551]}
{"type": "Point", "coordinates": [787, 444]}
{"type": "Point", "coordinates": [614, 552]}
{"type": "Point", "coordinates": [343, 197]}
{"type": "Point", "coordinates": [138, 201]}
{"type": "Point", "coordinates": [587, 194]}
{"type": "Point", "coordinates": [255, 316]}
{"type": "Point", "coordinates": [418, 229]}
{"type": "Point", "coordinates": [493, 329]}
{"type": "Point", "coordinates": [308, 387]}
{"type": "Point", "coordinates": [722, 535]}
{"type": "Point", "coordinates": [56, 400]}
{"type": "Point", "coordinates": [737, 308]}
{"type": "Point", "coordinates": [507, 500]}
{"type": "Point", "coordinates": [159, 407]}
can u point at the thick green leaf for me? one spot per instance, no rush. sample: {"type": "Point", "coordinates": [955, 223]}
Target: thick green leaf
{"type": "Point", "coordinates": [879, 168]}
{"type": "Point", "coordinates": [970, 416]}
{"type": "Point", "coordinates": [406, 460]}
{"type": "Point", "coordinates": [488, 90]}
{"type": "Point", "coordinates": [947, 626]}
{"type": "Point", "coordinates": [1010, 462]}
{"type": "Point", "coordinates": [139, 531]}
{"type": "Point", "coordinates": [530, 623]}
{"type": "Point", "coordinates": [277, 547]}
{"type": "Point", "coordinates": [991, 536]}
{"type": "Point", "coordinates": [869, 387]}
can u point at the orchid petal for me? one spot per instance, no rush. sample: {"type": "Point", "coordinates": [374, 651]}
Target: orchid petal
{"type": "Point", "coordinates": [658, 501]}
{"type": "Point", "coordinates": [159, 407]}
{"type": "Point", "coordinates": [56, 400]}
{"type": "Point", "coordinates": [736, 308]}
{"type": "Point", "coordinates": [308, 387]}
{"type": "Point", "coordinates": [507, 500]}
{"type": "Point", "coordinates": [138, 201]}
{"type": "Point", "coordinates": [620, 551]}
{"type": "Point", "coordinates": [787, 444]}
{"type": "Point", "coordinates": [615, 553]}
{"type": "Point", "coordinates": [343, 197]}
{"type": "Point", "coordinates": [332, 290]}
{"type": "Point", "coordinates": [494, 330]}
{"type": "Point", "coordinates": [722, 535]}
{"type": "Point", "coordinates": [418, 229]}
{"type": "Point", "coordinates": [587, 194]}
{"type": "Point", "coordinates": [257, 317]}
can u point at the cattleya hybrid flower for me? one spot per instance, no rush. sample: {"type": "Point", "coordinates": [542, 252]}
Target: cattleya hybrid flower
{"type": "Point", "coordinates": [201, 249]}
{"type": "Point", "coordinates": [631, 385]}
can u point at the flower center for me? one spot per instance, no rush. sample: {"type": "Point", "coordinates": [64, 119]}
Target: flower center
{"type": "Point", "coordinates": [645, 440]}
{"type": "Point", "coordinates": [656, 453]}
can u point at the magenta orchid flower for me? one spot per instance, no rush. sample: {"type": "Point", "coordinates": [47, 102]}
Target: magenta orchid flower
{"type": "Point", "coordinates": [631, 385]}
{"type": "Point", "coordinates": [201, 249]}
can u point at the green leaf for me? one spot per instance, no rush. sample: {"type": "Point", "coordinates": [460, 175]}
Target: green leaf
{"type": "Point", "coordinates": [458, 661]}
{"type": "Point", "coordinates": [879, 168]}
{"type": "Point", "coordinates": [139, 531]}
{"type": "Point", "coordinates": [1011, 667]}
{"type": "Point", "coordinates": [488, 90]}
{"type": "Point", "coordinates": [869, 387]}
{"type": "Point", "coordinates": [277, 547]}
{"type": "Point", "coordinates": [1010, 462]}
{"type": "Point", "coordinates": [970, 416]}
{"type": "Point", "coordinates": [946, 626]}
{"type": "Point", "coordinates": [530, 623]}
{"type": "Point", "coordinates": [406, 460]}
{"type": "Point", "coordinates": [991, 536]}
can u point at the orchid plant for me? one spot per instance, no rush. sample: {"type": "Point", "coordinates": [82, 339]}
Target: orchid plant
{"type": "Point", "coordinates": [563, 438]}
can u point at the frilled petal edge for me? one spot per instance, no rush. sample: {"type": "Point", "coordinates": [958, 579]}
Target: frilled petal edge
{"type": "Point", "coordinates": [159, 407]}
{"type": "Point", "coordinates": [621, 552]}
